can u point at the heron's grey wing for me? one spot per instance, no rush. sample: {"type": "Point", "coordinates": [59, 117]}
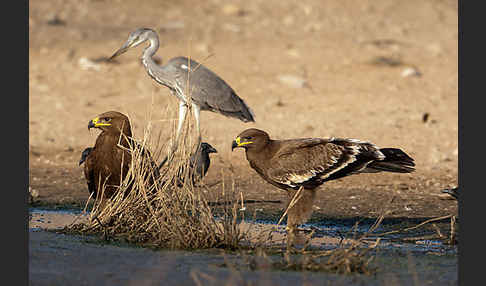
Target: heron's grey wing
{"type": "Point", "coordinates": [209, 91]}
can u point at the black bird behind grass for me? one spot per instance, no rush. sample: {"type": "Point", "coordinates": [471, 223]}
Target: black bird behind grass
{"type": "Point", "coordinates": [198, 163]}
{"type": "Point", "coordinates": [309, 162]}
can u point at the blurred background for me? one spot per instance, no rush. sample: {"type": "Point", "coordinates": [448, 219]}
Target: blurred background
{"type": "Point", "coordinates": [383, 71]}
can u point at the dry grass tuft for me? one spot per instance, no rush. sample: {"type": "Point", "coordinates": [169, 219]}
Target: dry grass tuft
{"type": "Point", "coordinates": [163, 215]}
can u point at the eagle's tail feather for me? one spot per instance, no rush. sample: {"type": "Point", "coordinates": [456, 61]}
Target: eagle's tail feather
{"type": "Point", "coordinates": [395, 161]}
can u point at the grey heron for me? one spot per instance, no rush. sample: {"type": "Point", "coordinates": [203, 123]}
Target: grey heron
{"type": "Point", "coordinates": [192, 83]}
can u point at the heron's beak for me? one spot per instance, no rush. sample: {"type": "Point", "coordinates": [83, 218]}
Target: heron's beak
{"type": "Point", "coordinates": [237, 143]}
{"type": "Point", "coordinates": [94, 123]}
{"type": "Point", "coordinates": [120, 51]}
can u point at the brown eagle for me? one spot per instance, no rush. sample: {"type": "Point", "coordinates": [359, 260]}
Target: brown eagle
{"type": "Point", "coordinates": [309, 162]}
{"type": "Point", "coordinates": [108, 162]}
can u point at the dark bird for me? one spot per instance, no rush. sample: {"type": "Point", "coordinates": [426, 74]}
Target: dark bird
{"type": "Point", "coordinates": [85, 154]}
{"type": "Point", "coordinates": [109, 161]}
{"type": "Point", "coordinates": [454, 192]}
{"type": "Point", "coordinates": [198, 164]}
{"type": "Point", "coordinates": [309, 162]}
{"type": "Point", "coordinates": [187, 78]}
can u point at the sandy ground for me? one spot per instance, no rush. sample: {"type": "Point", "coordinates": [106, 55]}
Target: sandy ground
{"type": "Point", "coordinates": [334, 47]}
{"type": "Point", "coordinates": [382, 71]}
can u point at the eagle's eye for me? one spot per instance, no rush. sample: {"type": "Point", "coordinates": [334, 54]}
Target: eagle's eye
{"type": "Point", "coordinates": [107, 119]}
{"type": "Point", "coordinates": [247, 137]}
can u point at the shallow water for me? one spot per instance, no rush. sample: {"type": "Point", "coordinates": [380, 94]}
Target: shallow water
{"type": "Point", "coordinates": [51, 219]}
{"type": "Point", "coordinates": [55, 257]}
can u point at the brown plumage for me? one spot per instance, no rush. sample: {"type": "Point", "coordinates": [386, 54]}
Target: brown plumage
{"type": "Point", "coordinates": [309, 162]}
{"type": "Point", "coordinates": [109, 161]}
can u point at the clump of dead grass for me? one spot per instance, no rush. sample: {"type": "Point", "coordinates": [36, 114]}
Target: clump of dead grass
{"type": "Point", "coordinates": [164, 214]}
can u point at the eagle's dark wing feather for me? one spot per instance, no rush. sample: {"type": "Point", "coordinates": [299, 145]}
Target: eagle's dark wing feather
{"type": "Point", "coordinates": [313, 161]}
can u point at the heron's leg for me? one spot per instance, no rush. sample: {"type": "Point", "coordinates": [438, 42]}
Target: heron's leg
{"type": "Point", "coordinates": [173, 148]}
{"type": "Point", "coordinates": [196, 110]}
{"type": "Point", "coordinates": [182, 118]}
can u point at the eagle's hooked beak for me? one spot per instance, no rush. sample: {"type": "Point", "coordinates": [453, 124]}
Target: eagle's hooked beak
{"type": "Point", "coordinates": [95, 123]}
{"type": "Point", "coordinates": [233, 145]}
{"type": "Point", "coordinates": [91, 124]}
{"type": "Point", "coordinates": [237, 143]}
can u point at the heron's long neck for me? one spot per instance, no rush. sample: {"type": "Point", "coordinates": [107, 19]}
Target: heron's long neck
{"type": "Point", "coordinates": [149, 52]}
{"type": "Point", "coordinates": [154, 70]}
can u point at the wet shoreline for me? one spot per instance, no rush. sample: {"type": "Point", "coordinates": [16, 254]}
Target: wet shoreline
{"type": "Point", "coordinates": [75, 259]}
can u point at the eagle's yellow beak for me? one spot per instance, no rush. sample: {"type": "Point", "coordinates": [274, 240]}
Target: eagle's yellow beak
{"type": "Point", "coordinates": [237, 143]}
{"type": "Point", "coordinates": [96, 123]}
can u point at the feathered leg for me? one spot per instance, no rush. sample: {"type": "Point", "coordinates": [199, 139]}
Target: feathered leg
{"type": "Point", "coordinates": [298, 213]}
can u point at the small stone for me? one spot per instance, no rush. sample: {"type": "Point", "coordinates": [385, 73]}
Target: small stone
{"type": "Point", "coordinates": [231, 9]}
{"type": "Point", "coordinates": [293, 53]}
{"type": "Point", "coordinates": [410, 71]}
{"type": "Point", "coordinates": [292, 81]}
{"type": "Point", "coordinates": [87, 64]}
